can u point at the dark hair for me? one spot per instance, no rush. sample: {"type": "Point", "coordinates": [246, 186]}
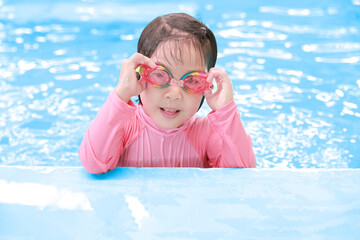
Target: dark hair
{"type": "Point", "coordinates": [172, 27]}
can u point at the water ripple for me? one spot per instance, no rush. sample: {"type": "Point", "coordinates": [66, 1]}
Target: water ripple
{"type": "Point", "coordinates": [332, 47]}
{"type": "Point", "coordinates": [263, 34]}
{"type": "Point", "coordinates": [268, 53]}
{"type": "Point", "coordinates": [294, 70]}
{"type": "Point", "coordinates": [315, 12]}
{"type": "Point", "coordinates": [90, 11]}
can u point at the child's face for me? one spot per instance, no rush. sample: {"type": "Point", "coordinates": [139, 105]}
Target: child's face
{"type": "Point", "coordinates": [170, 107]}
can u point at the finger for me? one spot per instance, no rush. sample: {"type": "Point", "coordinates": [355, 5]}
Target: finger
{"type": "Point", "coordinates": [210, 76]}
{"type": "Point", "coordinates": [149, 62]}
{"type": "Point", "coordinates": [214, 74]}
{"type": "Point", "coordinates": [210, 81]}
{"type": "Point", "coordinates": [221, 78]}
{"type": "Point", "coordinates": [218, 73]}
{"type": "Point", "coordinates": [139, 59]}
{"type": "Point", "coordinates": [208, 93]}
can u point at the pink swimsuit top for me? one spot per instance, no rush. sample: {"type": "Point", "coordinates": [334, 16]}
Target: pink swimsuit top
{"type": "Point", "coordinates": [123, 135]}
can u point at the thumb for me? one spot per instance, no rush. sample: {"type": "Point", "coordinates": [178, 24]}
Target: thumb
{"type": "Point", "coordinates": [208, 94]}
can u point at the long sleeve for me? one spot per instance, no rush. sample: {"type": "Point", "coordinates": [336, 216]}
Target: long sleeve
{"type": "Point", "coordinates": [104, 140]}
{"type": "Point", "coordinates": [229, 146]}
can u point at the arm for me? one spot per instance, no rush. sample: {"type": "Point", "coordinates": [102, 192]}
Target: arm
{"type": "Point", "coordinates": [103, 142]}
{"type": "Point", "coordinates": [230, 146]}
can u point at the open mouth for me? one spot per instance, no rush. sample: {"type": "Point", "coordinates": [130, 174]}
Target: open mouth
{"type": "Point", "coordinates": [169, 112]}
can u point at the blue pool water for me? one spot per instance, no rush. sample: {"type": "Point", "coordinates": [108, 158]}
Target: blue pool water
{"type": "Point", "coordinates": [295, 66]}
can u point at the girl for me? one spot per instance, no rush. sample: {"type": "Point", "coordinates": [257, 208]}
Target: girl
{"type": "Point", "coordinates": [168, 75]}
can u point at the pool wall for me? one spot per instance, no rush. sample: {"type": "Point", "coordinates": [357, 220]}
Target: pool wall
{"type": "Point", "coordinates": [159, 203]}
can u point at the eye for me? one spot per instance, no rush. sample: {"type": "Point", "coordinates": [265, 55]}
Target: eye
{"type": "Point", "coordinates": [159, 77]}
{"type": "Point", "coordinates": [193, 82]}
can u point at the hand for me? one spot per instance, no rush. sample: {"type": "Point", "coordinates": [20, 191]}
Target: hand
{"type": "Point", "coordinates": [129, 85]}
{"type": "Point", "coordinates": [224, 92]}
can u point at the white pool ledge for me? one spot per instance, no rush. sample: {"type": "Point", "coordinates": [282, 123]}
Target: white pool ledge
{"type": "Point", "coordinates": [164, 203]}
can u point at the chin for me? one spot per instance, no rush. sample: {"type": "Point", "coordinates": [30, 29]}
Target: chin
{"type": "Point", "coordinates": [169, 126]}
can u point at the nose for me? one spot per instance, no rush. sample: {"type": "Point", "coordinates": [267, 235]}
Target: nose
{"type": "Point", "coordinates": [174, 91]}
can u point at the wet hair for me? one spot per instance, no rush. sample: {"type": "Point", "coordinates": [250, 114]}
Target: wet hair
{"type": "Point", "coordinates": [178, 29]}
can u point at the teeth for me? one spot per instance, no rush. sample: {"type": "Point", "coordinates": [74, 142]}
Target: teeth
{"type": "Point", "coordinates": [169, 110]}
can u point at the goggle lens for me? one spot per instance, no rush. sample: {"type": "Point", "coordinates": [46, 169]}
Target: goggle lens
{"type": "Point", "coordinates": [194, 82]}
{"type": "Point", "coordinates": [159, 77]}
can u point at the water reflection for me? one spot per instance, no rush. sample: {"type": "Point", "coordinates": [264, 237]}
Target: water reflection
{"type": "Point", "coordinates": [42, 196]}
{"type": "Point", "coordinates": [295, 72]}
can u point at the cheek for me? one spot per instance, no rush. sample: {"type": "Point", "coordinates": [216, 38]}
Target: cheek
{"type": "Point", "coordinates": [148, 101]}
{"type": "Point", "coordinates": [148, 95]}
{"type": "Point", "coordinates": [193, 102]}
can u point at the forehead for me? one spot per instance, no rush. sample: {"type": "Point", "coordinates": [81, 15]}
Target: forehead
{"type": "Point", "coordinates": [185, 52]}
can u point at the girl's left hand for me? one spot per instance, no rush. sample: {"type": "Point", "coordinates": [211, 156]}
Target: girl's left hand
{"type": "Point", "coordinates": [224, 92]}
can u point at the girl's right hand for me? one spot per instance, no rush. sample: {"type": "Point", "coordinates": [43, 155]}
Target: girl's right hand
{"type": "Point", "coordinates": [128, 85]}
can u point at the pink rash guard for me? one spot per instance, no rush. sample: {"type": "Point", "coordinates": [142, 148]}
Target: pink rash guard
{"type": "Point", "coordinates": [122, 135]}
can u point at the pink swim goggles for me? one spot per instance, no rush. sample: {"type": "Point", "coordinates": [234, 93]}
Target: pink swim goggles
{"type": "Point", "coordinates": [160, 77]}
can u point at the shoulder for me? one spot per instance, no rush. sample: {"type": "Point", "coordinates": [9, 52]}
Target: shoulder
{"type": "Point", "coordinates": [199, 123]}
{"type": "Point", "coordinates": [224, 113]}
{"type": "Point", "coordinates": [203, 137]}
{"type": "Point", "coordinates": [200, 129]}
{"type": "Point", "coordinates": [133, 127]}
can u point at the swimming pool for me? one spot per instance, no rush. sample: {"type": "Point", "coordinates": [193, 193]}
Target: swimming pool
{"type": "Point", "coordinates": [295, 67]}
